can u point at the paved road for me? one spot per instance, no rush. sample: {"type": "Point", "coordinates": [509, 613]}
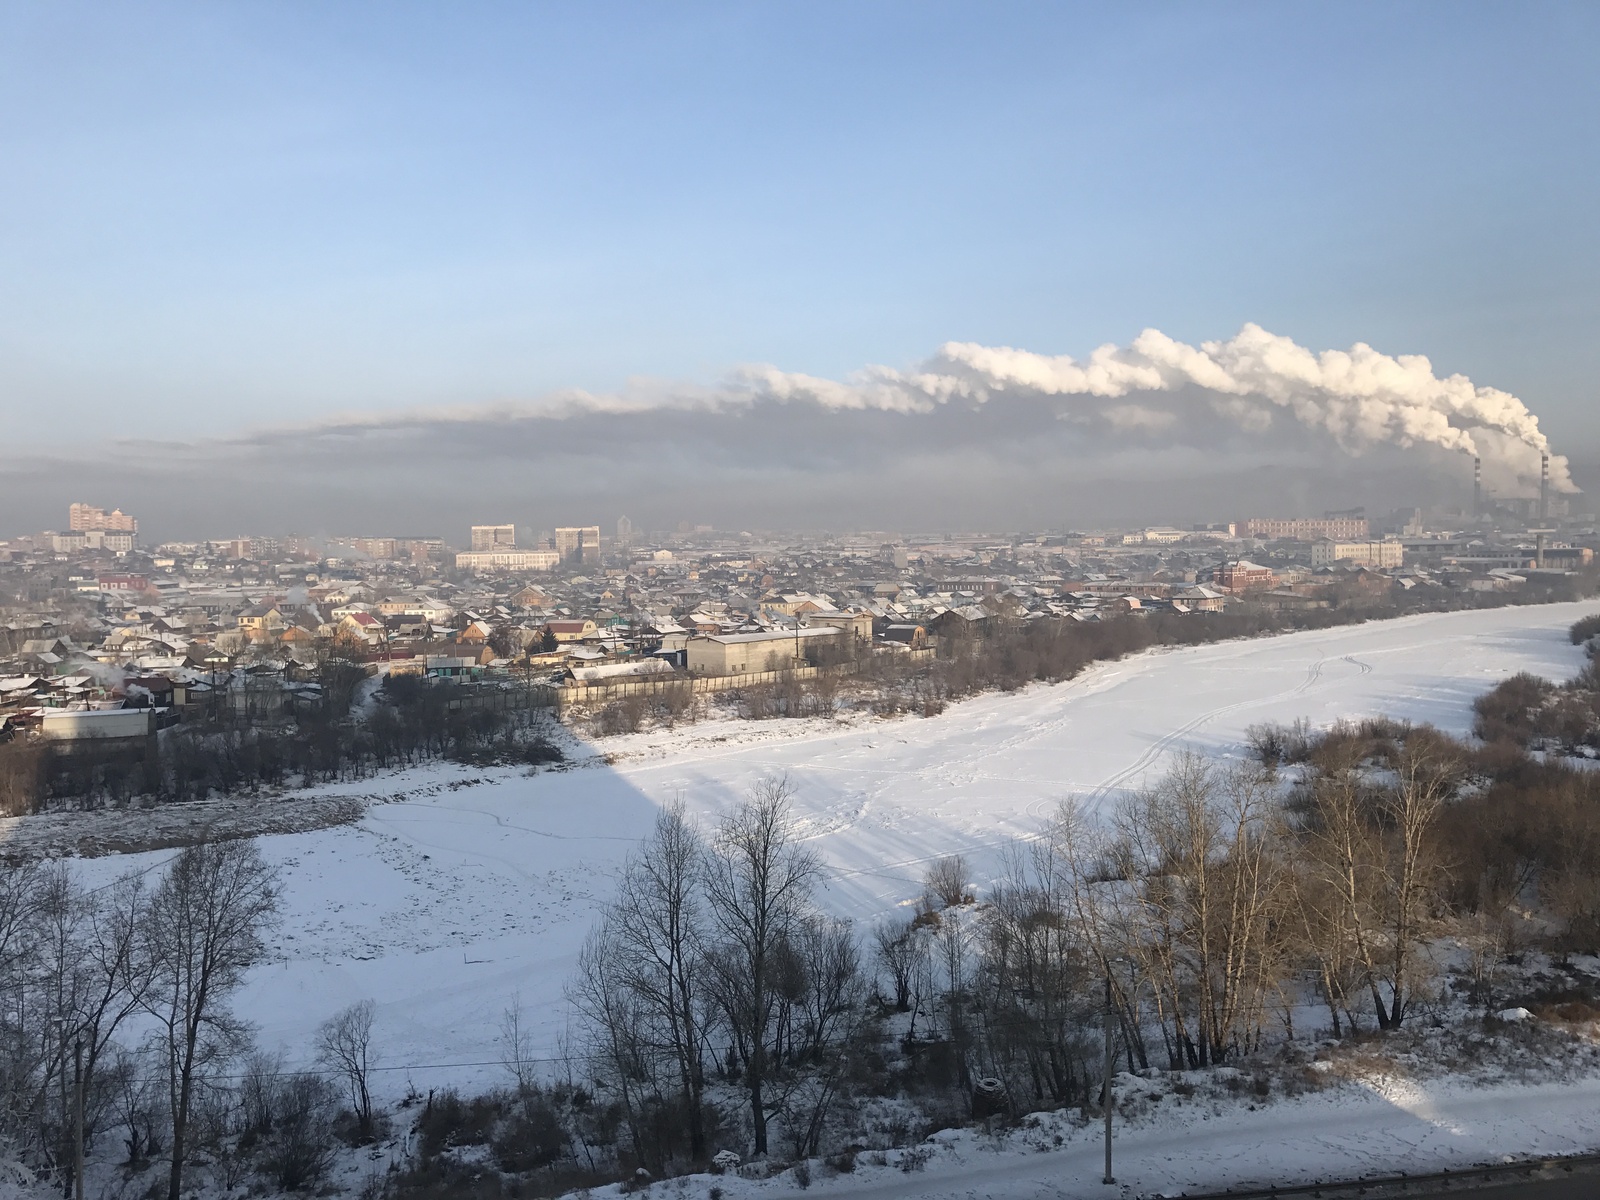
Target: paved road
{"type": "Point", "coordinates": [1573, 1187]}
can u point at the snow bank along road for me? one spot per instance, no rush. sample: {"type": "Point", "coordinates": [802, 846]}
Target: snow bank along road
{"type": "Point", "coordinates": [1329, 1135]}
{"type": "Point", "coordinates": [446, 902]}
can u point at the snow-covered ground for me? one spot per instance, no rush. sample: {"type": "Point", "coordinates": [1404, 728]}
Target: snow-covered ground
{"type": "Point", "coordinates": [470, 887]}
{"type": "Point", "coordinates": [1206, 1145]}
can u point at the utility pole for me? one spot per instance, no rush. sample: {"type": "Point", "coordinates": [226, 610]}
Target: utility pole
{"type": "Point", "coordinates": [77, 1146]}
{"type": "Point", "coordinates": [62, 1146]}
{"type": "Point", "coordinates": [1110, 1062]}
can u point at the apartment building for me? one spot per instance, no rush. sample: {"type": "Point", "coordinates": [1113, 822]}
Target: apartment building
{"type": "Point", "coordinates": [508, 560]}
{"type": "Point", "coordinates": [493, 537]}
{"type": "Point", "coordinates": [1327, 551]}
{"type": "Point", "coordinates": [579, 544]}
{"type": "Point", "coordinates": [1308, 529]}
{"type": "Point", "coordinates": [84, 517]}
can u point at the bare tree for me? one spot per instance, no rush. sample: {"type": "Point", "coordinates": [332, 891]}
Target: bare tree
{"type": "Point", "coordinates": [896, 948]}
{"type": "Point", "coordinates": [598, 992]}
{"type": "Point", "coordinates": [298, 1149]}
{"type": "Point", "coordinates": [758, 882]}
{"type": "Point", "coordinates": [1209, 888]}
{"type": "Point", "coordinates": [949, 880]}
{"type": "Point", "coordinates": [659, 934]}
{"type": "Point", "coordinates": [516, 1047]}
{"type": "Point", "coordinates": [203, 932]}
{"type": "Point", "coordinates": [344, 1045]}
{"type": "Point", "coordinates": [1370, 871]}
{"type": "Point", "coordinates": [1426, 777]}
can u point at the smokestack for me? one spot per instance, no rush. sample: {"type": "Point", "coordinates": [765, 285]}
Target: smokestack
{"type": "Point", "coordinates": [1544, 489]}
{"type": "Point", "coordinates": [1477, 486]}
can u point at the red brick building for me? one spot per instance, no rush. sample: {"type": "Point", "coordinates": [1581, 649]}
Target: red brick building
{"type": "Point", "coordinates": [1242, 576]}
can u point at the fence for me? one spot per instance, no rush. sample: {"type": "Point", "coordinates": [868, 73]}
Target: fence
{"type": "Point", "coordinates": [509, 694]}
{"type": "Point", "coordinates": [603, 693]}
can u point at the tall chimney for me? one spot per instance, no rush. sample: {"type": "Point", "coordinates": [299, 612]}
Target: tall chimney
{"type": "Point", "coordinates": [1544, 488]}
{"type": "Point", "coordinates": [1477, 486]}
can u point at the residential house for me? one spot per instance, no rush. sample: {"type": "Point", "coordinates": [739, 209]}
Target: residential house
{"type": "Point", "coordinates": [571, 631]}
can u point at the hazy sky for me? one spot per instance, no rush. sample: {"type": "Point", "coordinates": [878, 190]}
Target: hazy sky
{"type": "Point", "coordinates": [233, 217]}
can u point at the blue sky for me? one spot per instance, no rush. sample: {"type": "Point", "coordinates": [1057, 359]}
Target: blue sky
{"type": "Point", "coordinates": [221, 216]}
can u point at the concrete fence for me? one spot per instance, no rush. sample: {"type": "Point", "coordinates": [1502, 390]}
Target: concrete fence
{"type": "Point", "coordinates": [603, 693]}
{"type": "Point", "coordinates": [564, 696]}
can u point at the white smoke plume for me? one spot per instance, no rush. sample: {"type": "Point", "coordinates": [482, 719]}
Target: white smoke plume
{"type": "Point", "coordinates": [1359, 397]}
{"type": "Point", "coordinates": [972, 436]}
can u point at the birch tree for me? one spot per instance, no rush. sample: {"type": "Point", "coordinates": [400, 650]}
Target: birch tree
{"type": "Point", "coordinates": [758, 882]}
{"type": "Point", "coordinates": [203, 933]}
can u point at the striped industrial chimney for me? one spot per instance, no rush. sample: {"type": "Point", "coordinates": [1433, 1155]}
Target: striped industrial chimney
{"type": "Point", "coordinates": [1544, 488]}
{"type": "Point", "coordinates": [1477, 486]}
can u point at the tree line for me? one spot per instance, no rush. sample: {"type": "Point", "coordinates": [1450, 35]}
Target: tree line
{"type": "Point", "coordinates": [116, 1020]}
{"type": "Point", "coordinates": [1221, 903]}
{"type": "Point", "coordinates": [223, 751]}
{"type": "Point", "coordinates": [720, 1009]}
{"type": "Point", "coordinates": [1006, 652]}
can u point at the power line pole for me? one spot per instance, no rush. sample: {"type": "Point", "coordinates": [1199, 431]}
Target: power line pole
{"type": "Point", "coordinates": [77, 1148]}
{"type": "Point", "coordinates": [1110, 1062]}
{"type": "Point", "coordinates": [62, 1148]}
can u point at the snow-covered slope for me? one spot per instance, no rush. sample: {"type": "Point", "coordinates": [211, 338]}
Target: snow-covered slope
{"type": "Point", "coordinates": [471, 887]}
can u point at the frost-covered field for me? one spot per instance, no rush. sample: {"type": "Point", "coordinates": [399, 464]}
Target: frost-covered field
{"type": "Point", "coordinates": [469, 887]}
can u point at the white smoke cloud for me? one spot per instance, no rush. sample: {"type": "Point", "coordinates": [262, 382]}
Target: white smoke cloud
{"type": "Point", "coordinates": [1359, 397]}
{"type": "Point", "coordinates": [985, 435]}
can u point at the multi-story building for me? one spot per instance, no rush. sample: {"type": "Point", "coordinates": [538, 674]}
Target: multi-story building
{"type": "Point", "coordinates": [507, 560]}
{"type": "Point", "coordinates": [579, 544]}
{"type": "Point", "coordinates": [1308, 529]}
{"type": "Point", "coordinates": [118, 542]}
{"type": "Point", "coordinates": [624, 533]}
{"type": "Point", "coordinates": [1327, 551]}
{"type": "Point", "coordinates": [419, 549]}
{"type": "Point", "coordinates": [83, 517]}
{"type": "Point", "coordinates": [1242, 576]}
{"type": "Point", "coordinates": [381, 548]}
{"type": "Point", "coordinates": [493, 537]}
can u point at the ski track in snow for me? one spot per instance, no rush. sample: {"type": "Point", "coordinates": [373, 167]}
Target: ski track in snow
{"type": "Point", "coordinates": [445, 902]}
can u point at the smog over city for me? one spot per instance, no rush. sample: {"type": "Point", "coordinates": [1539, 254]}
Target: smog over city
{"type": "Point", "coordinates": [727, 600]}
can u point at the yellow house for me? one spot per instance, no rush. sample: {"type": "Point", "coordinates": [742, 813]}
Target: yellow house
{"type": "Point", "coordinates": [572, 631]}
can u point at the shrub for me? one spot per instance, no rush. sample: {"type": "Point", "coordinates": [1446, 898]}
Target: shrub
{"type": "Point", "coordinates": [1585, 629]}
{"type": "Point", "coordinates": [949, 880]}
{"type": "Point", "coordinates": [298, 1149]}
{"type": "Point", "coordinates": [915, 1159]}
{"type": "Point", "coordinates": [449, 1121]}
{"type": "Point", "coordinates": [531, 1138]}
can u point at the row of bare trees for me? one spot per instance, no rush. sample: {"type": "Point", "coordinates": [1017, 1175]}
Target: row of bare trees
{"type": "Point", "coordinates": [713, 961]}
{"type": "Point", "coordinates": [1219, 901]}
{"type": "Point", "coordinates": [116, 998]}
